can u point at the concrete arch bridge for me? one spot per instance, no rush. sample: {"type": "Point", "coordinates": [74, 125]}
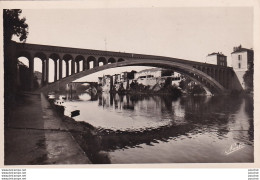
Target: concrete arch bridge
{"type": "Point", "coordinates": [214, 78]}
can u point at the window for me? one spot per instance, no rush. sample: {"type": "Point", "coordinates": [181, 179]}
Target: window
{"type": "Point", "coordinates": [141, 77]}
{"type": "Point", "coordinates": [239, 57]}
{"type": "Point", "coordinates": [239, 65]}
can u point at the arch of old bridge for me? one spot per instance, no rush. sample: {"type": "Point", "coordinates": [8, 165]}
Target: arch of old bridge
{"type": "Point", "coordinates": [215, 78]}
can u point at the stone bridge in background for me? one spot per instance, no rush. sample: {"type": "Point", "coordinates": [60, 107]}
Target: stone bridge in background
{"type": "Point", "coordinates": [214, 78]}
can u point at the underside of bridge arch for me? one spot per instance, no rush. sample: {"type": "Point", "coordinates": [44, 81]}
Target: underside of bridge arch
{"type": "Point", "coordinates": [77, 61]}
{"type": "Point", "coordinates": [120, 60]}
{"type": "Point", "coordinates": [23, 75]}
{"type": "Point", "coordinates": [70, 67]}
{"type": "Point", "coordinates": [200, 77]}
{"type": "Point", "coordinates": [102, 61]}
{"type": "Point", "coordinates": [25, 54]}
{"type": "Point", "coordinates": [111, 60]}
{"type": "Point", "coordinates": [54, 56]}
{"type": "Point", "coordinates": [29, 75]}
{"type": "Point", "coordinates": [40, 55]}
{"type": "Point", "coordinates": [92, 59]}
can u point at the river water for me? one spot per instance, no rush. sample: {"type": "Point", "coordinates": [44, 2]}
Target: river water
{"type": "Point", "coordinates": [162, 129]}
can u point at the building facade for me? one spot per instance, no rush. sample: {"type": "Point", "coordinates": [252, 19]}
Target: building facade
{"type": "Point", "coordinates": [242, 61]}
{"type": "Point", "coordinates": [151, 77]}
{"type": "Point", "coordinates": [106, 83]}
{"type": "Point", "coordinates": [217, 59]}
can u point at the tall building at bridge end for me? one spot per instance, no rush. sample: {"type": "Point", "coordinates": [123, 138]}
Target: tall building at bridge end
{"type": "Point", "coordinates": [242, 61]}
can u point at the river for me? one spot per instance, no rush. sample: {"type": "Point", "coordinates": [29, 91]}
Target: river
{"type": "Point", "coordinates": [162, 129]}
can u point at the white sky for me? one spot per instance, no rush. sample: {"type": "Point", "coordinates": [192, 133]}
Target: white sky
{"type": "Point", "coordinates": [180, 32]}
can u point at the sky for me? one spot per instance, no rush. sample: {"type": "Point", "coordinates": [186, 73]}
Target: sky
{"type": "Point", "coordinates": [181, 32]}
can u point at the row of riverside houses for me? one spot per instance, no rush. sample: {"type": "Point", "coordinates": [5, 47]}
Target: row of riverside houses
{"type": "Point", "coordinates": [147, 77]}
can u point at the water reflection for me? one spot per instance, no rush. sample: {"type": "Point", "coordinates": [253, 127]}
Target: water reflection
{"type": "Point", "coordinates": [186, 129]}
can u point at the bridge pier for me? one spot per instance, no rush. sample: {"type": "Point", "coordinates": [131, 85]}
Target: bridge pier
{"type": "Point", "coordinates": [221, 77]}
{"type": "Point", "coordinates": [72, 66]}
{"type": "Point", "coordinates": [85, 65]}
{"type": "Point", "coordinates": [213, 73]}
{"type": "Point", "coordinates": [67, 68]}
{"type": "Point", "coordinates": [47, 70]}
{"type": "Point", "coordinates": [55, 71]}
{"type": "Point", "coordinates": [224, 78]}
{"type": "Point", "coordinates": [60, 69]}
{"type": "Point", "coordinates": [31, 71]}
{"type": "Point", "coordinates": [227, 79]}
{"type": "Point", "coordinates": [217, 75]}
{"type": "Point", "coordinates": [77, 66]}
{"type": "Point", "coordinates": [43, 73]}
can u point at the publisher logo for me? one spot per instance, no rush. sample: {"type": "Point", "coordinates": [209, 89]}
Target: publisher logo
{"type": "Point", "coordinates": [235, 147]}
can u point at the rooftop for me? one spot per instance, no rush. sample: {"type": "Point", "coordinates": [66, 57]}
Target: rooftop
{"type": "Point", "coordinates": [241, 49]}
{"type": "Point", "coordinates": [218, 53]}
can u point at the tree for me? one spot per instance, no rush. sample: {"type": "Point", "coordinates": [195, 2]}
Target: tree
{"type": "Point", "coordinates": [14, 25]}
{"type": "Point", "coordinates": [249, 78]}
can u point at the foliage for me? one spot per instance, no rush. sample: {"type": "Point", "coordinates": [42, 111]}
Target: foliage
{"type": "Point", "coordinates": [197, 89]}
{"type": "Point", "coordinates": [131, 75]}
{"type": "Point", "coordinates": [14, 25]}
{"type": "Point", "coordinates": [190, 87]}
{"type": "Point", "coordinates": [168, 82]}
{"type": "Point", "coordinates": [249, 79]}
{"type": "Point", "coordinates": [167, 72]}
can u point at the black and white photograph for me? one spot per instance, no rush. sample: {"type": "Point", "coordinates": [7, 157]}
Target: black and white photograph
{"type": "Point", "coordinates": [131, 85]}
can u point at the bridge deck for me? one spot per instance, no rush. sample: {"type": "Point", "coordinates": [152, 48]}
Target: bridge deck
{"type": "Point", "coordinates": [88, 52]}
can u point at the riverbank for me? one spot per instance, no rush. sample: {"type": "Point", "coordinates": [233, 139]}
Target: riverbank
{"type": "Point", "coordinates": [36, 135]}
{"type": "Point", "coordinates": [85, 135]}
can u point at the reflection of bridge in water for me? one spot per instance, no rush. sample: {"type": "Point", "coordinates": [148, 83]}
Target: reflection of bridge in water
{"type": "Point", "coordinates": [215, 78]}
{"type": "Point", "coordinates": [201, 114]}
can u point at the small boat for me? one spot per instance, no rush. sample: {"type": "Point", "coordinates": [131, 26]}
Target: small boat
{"type": "Point", "coordinates": [75, 113]}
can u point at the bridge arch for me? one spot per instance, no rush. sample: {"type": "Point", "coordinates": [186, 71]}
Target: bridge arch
{"type": "Point", "coordinates": [56, 65]}
{"type": "Point", "coordinates": [111, 60]}
{"type": "Point", "coordinates": [29, 50]}
{"type": "Point", "coordinates": [23, 64]}
{"type": "Point", "coordinates": [102, 61]}
{"type": "Point", "coordinates": [198, 76]}
{"type": "Point", "coordinates": [69, 63]}
{"type": "Point", "coordinates": [28, 57]}
{"type": "Point", "coordinates": [25, 54]}
{"type": "Point", "coordinates": [91, 59]}
{"type": "Point", "coordinates": [78, 59]}
{"type": "Point", "coordinates": [120, 60]}
{"type": "Point", "coordinates": [39, 59]}
{"type": "Point", "coordinates": [40, 55]}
